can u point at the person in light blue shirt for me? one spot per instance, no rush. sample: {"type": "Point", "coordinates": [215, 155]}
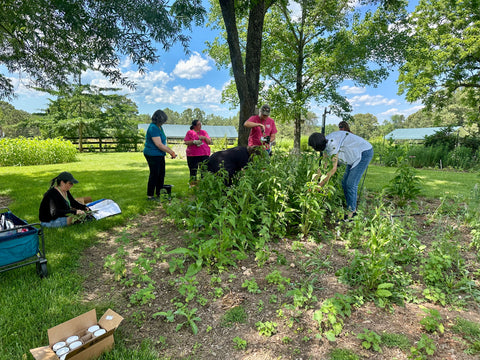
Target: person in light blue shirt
{"type": "Point", "coordinates": [155, 151]}
{"type": "Point", "coordinates": [349, 149]}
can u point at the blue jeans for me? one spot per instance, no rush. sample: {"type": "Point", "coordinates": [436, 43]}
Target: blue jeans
{"type": "Point", "coordinates": [352, 178]}
{"type": "Point", "coordinates": [58, 222]}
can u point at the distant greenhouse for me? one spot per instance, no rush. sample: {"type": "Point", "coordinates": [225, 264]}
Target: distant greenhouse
{"type": "Point", "coordinates": [177, 132]}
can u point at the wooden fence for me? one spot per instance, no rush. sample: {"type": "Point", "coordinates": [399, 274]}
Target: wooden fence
{"type": "Point", "coordinates": [111, 144]}
{"type": "Point", "coordinates": [106, 144]}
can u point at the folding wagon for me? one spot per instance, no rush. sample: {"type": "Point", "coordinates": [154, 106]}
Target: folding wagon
{"type": "Point", "coordinates": [21, 244]}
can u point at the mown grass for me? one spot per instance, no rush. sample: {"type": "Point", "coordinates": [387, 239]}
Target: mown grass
{"type": "Point", "coordinates": [29, 305]}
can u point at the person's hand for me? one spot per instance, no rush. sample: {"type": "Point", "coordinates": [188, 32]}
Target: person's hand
{"type": "Point", "coordinates": [173, 155]}
{"type": "Point", "coordinates": [78, 212]}
{"type": "Point", "coordinates": [262, 126]}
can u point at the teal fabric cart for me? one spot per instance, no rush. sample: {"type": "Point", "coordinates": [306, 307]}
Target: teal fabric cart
{"type": "Point", "coordinates": [21, 244]}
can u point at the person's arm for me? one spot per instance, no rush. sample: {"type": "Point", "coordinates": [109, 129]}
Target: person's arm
{"type": "Point", "coordinates": [206, 138]}
{"type": "Point", "coordinates": [250, 124]}
{"type": "Point", "coordinates": [330, 173]}
{"type": "Point", "coordinates": [158, 143]}
{"type": "Point", "coordinates": [75, 204]}
{"type": "Point", "coordinates": [188, 139]}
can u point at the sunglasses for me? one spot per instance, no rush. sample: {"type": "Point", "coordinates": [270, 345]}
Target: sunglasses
{"type": "Point", "coordinates": [341, 127]}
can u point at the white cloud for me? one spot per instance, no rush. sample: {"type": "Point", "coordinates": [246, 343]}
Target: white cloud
{"type": "Point", "coordinates": [405, 112]}
{"type": "Point", "coordinates": [371, 100]}
{"type": "Point", "coordinates": [126, 63]}
{"type": "Point", "coordinates": [352, 89]}
{"type": "Point", "coordinates": [180, 95]}
{"type": "Point", "coordinates": [193, 68]}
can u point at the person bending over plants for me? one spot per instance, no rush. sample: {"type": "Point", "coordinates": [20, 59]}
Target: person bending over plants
{"type": "Point", "coordinates": [232, 160]}
{"type": "Point", "coordinates": [349, 149]}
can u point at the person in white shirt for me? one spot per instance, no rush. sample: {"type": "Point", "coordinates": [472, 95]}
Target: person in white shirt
{"type": "Point", "coordinates": [349, 149]}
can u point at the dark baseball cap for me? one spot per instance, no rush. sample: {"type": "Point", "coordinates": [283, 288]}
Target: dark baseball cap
{"type": "Point", "coordinates": [265, 109]}
{"type": "Point", "coordinates": [66, 176]}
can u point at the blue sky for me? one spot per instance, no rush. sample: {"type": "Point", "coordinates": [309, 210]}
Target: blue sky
{"type": "Point", "coordinates": [180, 81]}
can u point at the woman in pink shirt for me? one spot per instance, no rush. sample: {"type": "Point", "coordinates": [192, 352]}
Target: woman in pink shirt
{"type": "Point", "coordinates": [198, 149]}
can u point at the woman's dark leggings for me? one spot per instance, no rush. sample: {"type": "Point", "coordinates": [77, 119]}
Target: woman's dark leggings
{"type": "Point", "coordinates": [193, 162]}
{"type": "Point", "coordinates": [157, 174]}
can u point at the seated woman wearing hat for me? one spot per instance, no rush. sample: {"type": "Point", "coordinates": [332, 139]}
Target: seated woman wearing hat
{"type": "Point", "coordinates": [57, 203]}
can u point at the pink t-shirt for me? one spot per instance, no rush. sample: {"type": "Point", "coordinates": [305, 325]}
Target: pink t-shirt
{"type": "Point", "coordinates": [256, 132]}
{"type": "Point", "coordinates": [194, 150]}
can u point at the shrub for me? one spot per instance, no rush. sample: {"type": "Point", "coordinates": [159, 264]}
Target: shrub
{"type": "Point", "coordinates": [23, 152]}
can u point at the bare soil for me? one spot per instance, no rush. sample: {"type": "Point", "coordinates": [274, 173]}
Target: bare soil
{"type": "Point", "coordinates": [295, 337]}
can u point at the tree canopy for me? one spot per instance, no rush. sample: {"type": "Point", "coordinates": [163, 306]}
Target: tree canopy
{"type": "Point", "coordinates": [305, 57]}
{"type": "Point", "coordinates": [49, 40]}
{"type": "Point", "coordinates": [444, 54]}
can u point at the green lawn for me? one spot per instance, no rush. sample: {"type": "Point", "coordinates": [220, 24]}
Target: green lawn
{"type": "Point", "coordinates": [436, 183]}
{"type": "Point", "coordinates": [29, 306]}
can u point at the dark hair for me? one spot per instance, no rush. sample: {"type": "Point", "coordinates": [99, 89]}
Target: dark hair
{"type": "Point", "coordinates": [194, 123]}
{"type": "Point", "coordinates": [343, 125]}
{"type": "Point", "coordinates": [159, 118]}
{"type": "Point", "coordinates": [317, 141]}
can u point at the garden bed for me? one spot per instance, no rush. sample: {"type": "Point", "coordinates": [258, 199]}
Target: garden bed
{"type": "Point", "coordinates": [264, 324]}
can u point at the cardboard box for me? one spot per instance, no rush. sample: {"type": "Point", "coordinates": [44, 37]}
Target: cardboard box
{"type": "Point", "coordinates": [92, 348]}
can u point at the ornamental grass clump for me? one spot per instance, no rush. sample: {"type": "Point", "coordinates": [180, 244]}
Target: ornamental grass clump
{"type": "Point", "coordinates": [23, 152]}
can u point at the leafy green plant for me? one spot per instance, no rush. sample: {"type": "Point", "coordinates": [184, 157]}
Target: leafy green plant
{"type": "Point", "coordinates": [331, 314]}
{"type": "Point", "coordinates": [383, 294]}
{"type": "Point", "coordinates": [435, 295]}
{"type": "Point", "coordinates": [433, 321]}
{"type": "Point", "coordinates": [187, 287]}
{"type": "Point", "coordinates": [371, 340]}
{"type": "Point", "coordinates": [275, 277]}
{"type": "Point", "coordinates": [191, 318]}
{"type": "Point", "coordinates": [240, 344]}
{"type": "Point", "coordinates": [117, 263]}
{"type": "Point", "coordinates": [252, 286]}
{"type": "Point", "coordinates": [169, 315]}
{"type": "Point", "coordinates": [405, 185]}
{"type": "Point", "coordinates": [144, 295]}
{"type": "Point", "coordinates": [266, 328]}
{"type": "Point", "coordinates": [260, 305]}
{"type": "Point", "coordinates": [425, 347]}
{"type": "Point", "coordinates": [303, 296]}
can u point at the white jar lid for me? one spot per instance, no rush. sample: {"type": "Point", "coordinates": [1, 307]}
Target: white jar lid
{"type": "Point", "coordinates": [75, 345]}
{"type": "Point", "coordinates": [62, 351]}
{"type": "Point", "coordinates": [58, 345]}
{"type": "Point", "coordinates": [93, 328]}
{"type": "Point", "coordinates": [71, 339]}
{"type": "Point", "coordinates": [99, 332]}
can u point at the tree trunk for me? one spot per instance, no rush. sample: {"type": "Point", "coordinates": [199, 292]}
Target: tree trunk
{"type": "Point", "coordinates": [80, 137]}
{"type": "Point", "coordinates": [246, 78]}
{"type": "Point", "coordinates": [297, 134]}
